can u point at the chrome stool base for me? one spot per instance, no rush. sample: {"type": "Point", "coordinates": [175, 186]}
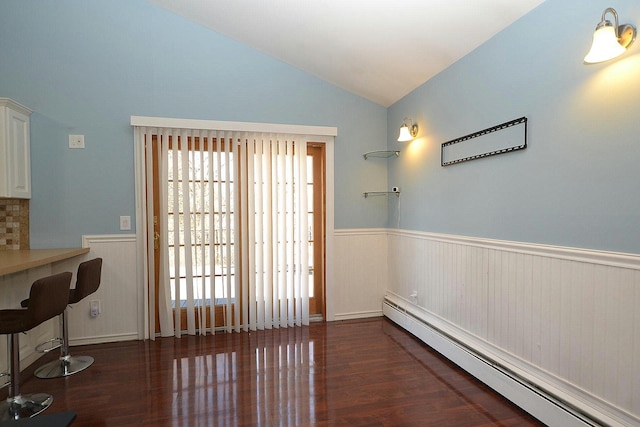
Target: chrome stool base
{"type": "Point", "coordinates": [64, 366]}
{"type": "Point", "coordinates": [24, 406]}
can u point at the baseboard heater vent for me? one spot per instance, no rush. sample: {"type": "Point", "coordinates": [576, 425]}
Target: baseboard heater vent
{"type": "Point", "coordinates": [579, 417]}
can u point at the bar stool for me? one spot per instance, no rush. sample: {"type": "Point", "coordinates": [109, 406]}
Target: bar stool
{"type": "Point", "coordinates": [87, 282]}
{"type": "Point", "coordinates": [48, 298]}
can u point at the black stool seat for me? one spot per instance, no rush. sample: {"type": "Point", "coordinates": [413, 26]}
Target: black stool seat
{"type": "Point", "coordinates": [87, 282]}
{"type": "Point", "coordinates": [48, 298]}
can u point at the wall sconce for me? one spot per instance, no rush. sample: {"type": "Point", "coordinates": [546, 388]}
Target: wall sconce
{"type": "Point", "coordinates": [610, 41]}
{"type": "Point", "coordinates": [408, 130]}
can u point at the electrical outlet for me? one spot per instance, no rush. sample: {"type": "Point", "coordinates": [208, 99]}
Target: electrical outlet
{"type": "Point", "coordinates": [414, 297]}
{"type": "Point", "coordinates": [94, 309]}
{"type": "Point", "coordinates": [76, 141]}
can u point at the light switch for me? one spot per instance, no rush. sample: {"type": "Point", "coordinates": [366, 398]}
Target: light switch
{"type": "Point", "coordinates": [76, 141]}
{"type": "Point", "coordinates": [125, 222]}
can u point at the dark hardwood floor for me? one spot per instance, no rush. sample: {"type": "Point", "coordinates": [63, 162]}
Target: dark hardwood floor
{"type": "Point", "coordinates": [350, 373]}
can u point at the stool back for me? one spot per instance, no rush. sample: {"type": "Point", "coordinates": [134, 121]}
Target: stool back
{"type": "Point", "coordinates": [48, 298]}
{"type": "Point", "coordinates": [87, 280]}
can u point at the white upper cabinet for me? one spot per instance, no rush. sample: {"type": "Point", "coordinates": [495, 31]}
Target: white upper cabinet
{"type": "Point", "coordinates": [15, 163]}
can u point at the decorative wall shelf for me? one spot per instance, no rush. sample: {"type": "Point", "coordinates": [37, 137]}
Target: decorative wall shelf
{"type": "Point", "coordinates": [382, 154]}
{"type": "Point", "coordinates": [381, 193]}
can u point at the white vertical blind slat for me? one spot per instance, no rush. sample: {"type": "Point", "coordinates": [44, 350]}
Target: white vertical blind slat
{"type": "Point", "coordinates": [148, 152]}
{"type": "Point", "coordinates": [259, 238]}
{"type": "Point", "coordinates": [243, 295]}
{"type": "Point", "coordinates": [267, 231]}
{"type": "Point", "coordinates": [291, 294]}
{"type": "Point", "coordinates": [303, 235]}
{"type": "Point", "coordinates": [251, 227]}
{"type": "Point", "coordinates": [202, 257]}
{"type": "Point", "coordinates": [231, 154]}
{"type": "Point", "coordinates": [187, 209]}
{"type": "Point", "coordinates": [238, 159]}
{"type": "Point", "coordinates": [176, 236]}
{"type": "Point", "coordinates": [296, 241]}
{"type": "Point", "coordinates": [164, 302]}
{"type": "Point", "coordinates": [282, 237]}
{"type": "Point", "coordinates": [210, 138]}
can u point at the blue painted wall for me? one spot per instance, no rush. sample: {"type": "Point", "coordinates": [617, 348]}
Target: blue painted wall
{"type": "Point", "coordinates": [85, 67]}
{"type": "Point", "coordinates": [578, 182]}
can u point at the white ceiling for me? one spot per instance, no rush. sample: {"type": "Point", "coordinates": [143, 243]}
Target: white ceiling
{"type": "Point", "coordinates": [378, 49]}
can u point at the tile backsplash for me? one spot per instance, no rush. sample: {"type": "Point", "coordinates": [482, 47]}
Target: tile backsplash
{"type": "Point", "coordinates": [14, 224]}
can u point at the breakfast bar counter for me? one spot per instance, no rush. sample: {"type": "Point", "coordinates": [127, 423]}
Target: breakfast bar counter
{"type": "Point", "coordinates": [12, 261]}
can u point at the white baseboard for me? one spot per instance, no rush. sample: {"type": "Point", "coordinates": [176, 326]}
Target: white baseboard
{"type": "Point", "coordinates": [358, 315]}
{"type": "Point", "coordinates": [103, 339]}
{"type": "Point", "coordinates": [526, 397]}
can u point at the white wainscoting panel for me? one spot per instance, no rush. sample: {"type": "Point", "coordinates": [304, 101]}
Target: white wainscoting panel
{"type": "Point", "coordinates": [565, 319]}
{"type": "Point", "coordinates": [360, 273]}
{"type": "Point", "coordinates": [117, 294]}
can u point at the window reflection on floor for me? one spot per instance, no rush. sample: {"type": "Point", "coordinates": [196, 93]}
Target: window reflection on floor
{"type": "Point", "coordinates": [276, 380]}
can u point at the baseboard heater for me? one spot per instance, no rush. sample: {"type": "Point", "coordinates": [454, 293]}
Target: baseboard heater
{"type": "Point", "coordinates": [540, 403]}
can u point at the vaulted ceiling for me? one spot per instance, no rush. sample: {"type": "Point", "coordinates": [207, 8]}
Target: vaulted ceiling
{"type": "Point", "coordinates": [378, 49]}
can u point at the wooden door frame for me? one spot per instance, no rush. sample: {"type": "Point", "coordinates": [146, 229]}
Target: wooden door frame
{"type": "Point", "coordinates": [318, 306]}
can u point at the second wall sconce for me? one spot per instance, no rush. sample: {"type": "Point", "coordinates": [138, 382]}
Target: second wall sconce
{"type": "Point", "coordinates": [610, 41]}
{"type": "Point", "coordinates": [408, 130]}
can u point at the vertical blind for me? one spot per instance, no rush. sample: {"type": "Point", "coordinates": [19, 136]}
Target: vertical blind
{"type": "Point", "coordinates": [232, 229]}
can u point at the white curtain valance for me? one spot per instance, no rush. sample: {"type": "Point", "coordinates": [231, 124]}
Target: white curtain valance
{"type": "Point", "coordinates": [161, 122]}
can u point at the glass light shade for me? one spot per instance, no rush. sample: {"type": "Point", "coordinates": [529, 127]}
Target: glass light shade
{"type": "Point", "coordinates": [404, 135]}
{"type": "Point", "coordinates": [605, 45]}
